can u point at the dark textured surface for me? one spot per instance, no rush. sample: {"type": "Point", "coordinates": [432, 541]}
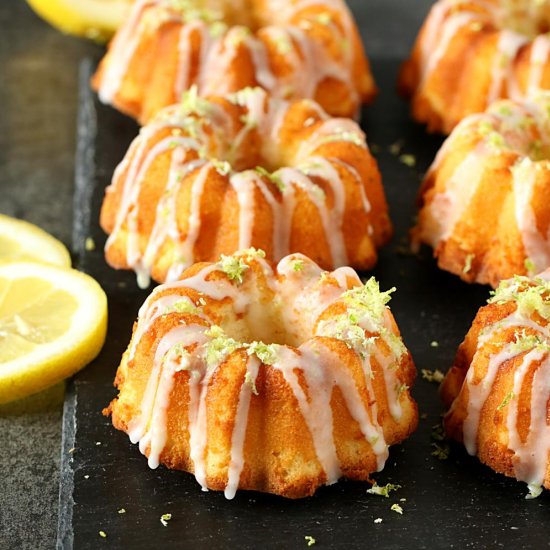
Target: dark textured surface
{"type": "Point", "coordinates": [38, 100]}
{"type": "Point", "coordinates": [29, 465]}
{"type": "Point", "coordinates": [452, 503]}
{"type": "Point", "coordinates": [38, 95]}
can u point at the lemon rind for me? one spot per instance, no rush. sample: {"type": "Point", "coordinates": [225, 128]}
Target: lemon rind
{"type": "Point", "coordinates": [39, 244]}
{"type": "Point", "coordinates": [52, 362]}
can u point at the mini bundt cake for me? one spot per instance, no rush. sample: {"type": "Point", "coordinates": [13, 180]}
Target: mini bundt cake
{"type": "Point", "coordinates": [294, 49]}
{"type": "Point", "coordinates": [276, 380]}
{"type": "Point", "coordinates": [470, 53]}
{"type": "Point", "coordinates": [485, 201]}
{"type": "Point", "coordinates": [212, 176]}
{"type": "Point", "coordinates": [498, 391]}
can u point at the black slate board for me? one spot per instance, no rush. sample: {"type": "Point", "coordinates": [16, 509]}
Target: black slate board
{"type": "Point", "coordinates": [453, 503]}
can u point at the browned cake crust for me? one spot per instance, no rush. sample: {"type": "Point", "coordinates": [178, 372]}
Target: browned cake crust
{"type": "Point", "coordinates": [485, 201]}
{"type": "Point", "coordinates": [299, 406]}
{"type": "Point", "coordinates": [294, 49]}
{"type": "Point", "coordinates": [208, 177]}
{"type": "Point", "coordinates": [498, 390]}
{"type": "Point", "coordinates": [470, 53]}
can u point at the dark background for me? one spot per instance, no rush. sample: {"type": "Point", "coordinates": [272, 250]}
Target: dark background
{"type": "Point", "coordinates": [38, 107]}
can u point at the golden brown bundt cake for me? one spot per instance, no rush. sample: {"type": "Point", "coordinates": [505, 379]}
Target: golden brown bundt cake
{"type": "Point", "coordinates": [270, 379]}
{"type": "Point", "coordinates": [212, 176]}
{"type": "Point", "coordinates": [292, 48]}
{"type": "Point", "coordinates": [485, 201]}
{"type": "Point", "coordinates": [470, 53]}
{"type": "Point", "coordinates": [498, 391]}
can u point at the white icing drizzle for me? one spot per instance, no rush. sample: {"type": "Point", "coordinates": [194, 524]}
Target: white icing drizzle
{"type": "Point", "coordinates": [304, 298]}
{"type": "Point", "coordinates": [531, 454]}
{"type": "Point", "coordinates": [477, 395]}
{"type": "Point", "coordinates": [123, 46]}
{"type": "Point", "coordinates": [431, 32]}
{"type": "Point", "coordinates": [182, 81]}
{"type": "Point", "coordinates": [236, 464]}
{"type": "Point", "coordinates": [148, 315]}
{"type": "Point", "coordinates": [316, 411]}
{"type": "Point", "coordinates": [447, 18]}
{"type": "Point", "coordinates": [370, 428]}
{"type": "Point", "coordinates": [166, 224]}
{"type": "Point", "coordinates": [186, 250]}
{"type": "Point", "coordinates": [508, 46]}
{"type": "Point", "coordinates": [464, 125]}
{"type": "Point", "coordinates": [446, 208]}
{"type": "Point", "coordinates": [310, 59]}
{"type": "Point", "coordinates": [243, 184]}
{"type": "Point", "coordinates": [268, 117]}
{"type": "Point", "coordinates": [331, 218]}
{"type": "Point", "coordinates": [158, 389]}
{"type": "Point", "coordinates": [450, 27]}
{"type": "Point", "coordinates": [332, 129]}
{"type": "Point", "coordinates": [537, 246]}
{"type": "Point", "coordinates": [282, 223]}
{"type": "Point", "coordinates": [306, 294]}
{"type": "Point", "coordinates": [214, 289]}
{"type": "Point", "coordinates": [323, 169]}
{"type": "Point", "coordinates": [198, 388]}
{"type": "Point", "coordinates": [506, 128]}
{"type": "Point", "coordinates": [388, 366]}
{"type": "Point", "coordinates": [364, 200]}
{"type": "Point", "coordinates": [264, 76]}
{"type": "Point", "coordinates": [540, 53]}
{"type": "Point", "coordinates": [128, 211]}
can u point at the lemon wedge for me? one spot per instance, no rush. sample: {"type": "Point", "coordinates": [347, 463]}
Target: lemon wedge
{"type": "Point", "coordinates": [52, 323]}
{"type": "Point", "coordinates": [94, 19]}
{"type": "Point", "coordinates": [21, 240]}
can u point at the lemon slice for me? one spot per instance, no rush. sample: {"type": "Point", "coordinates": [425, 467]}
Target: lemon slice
{"type": "Point", "coordinates": [52, 323]}
{"type": "Point", "coordinates": [95, 19]}
{"type": "Point", "coordinates": [21, 240]}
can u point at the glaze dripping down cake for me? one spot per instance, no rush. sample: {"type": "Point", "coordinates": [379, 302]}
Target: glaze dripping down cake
{"type": "Point", "coordinates": [498, 391]}
{"type": "Point", "coordinates": [292, 48]}
{"type": "Point", "coordinates": [470, 53]}
{"type": "Point", "coordinates": [277, 379]}
{"type": "Point", "coordinates": [212, 176]}
{"type": "Point", "coordinates": [485, 201]}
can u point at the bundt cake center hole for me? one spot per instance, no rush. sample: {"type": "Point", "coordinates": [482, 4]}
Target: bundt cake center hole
{"type": "Point", "coordinates": [267, 322]}
{"type": "Point", "coordinates": [259, 153]}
